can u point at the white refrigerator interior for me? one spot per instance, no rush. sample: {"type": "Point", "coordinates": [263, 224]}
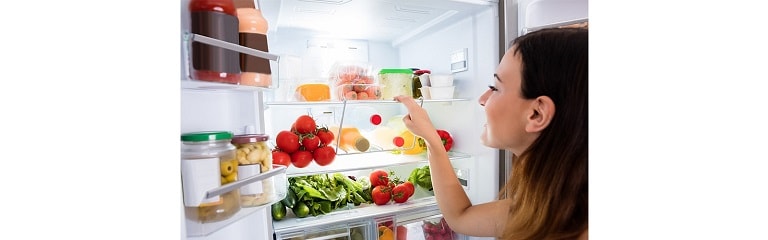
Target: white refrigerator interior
{"type": "Point", "coordinates": [311, 35]}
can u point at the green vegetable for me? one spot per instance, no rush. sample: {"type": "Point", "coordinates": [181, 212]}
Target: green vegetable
{"type": "Point", "coordinates": [290, 199]}
{"type": "Point", "coordinates": [421, 177]}
{"type": "Point", "coordinates": [301, 210]}
{"type": "Point", "coordinates": [278, 211]}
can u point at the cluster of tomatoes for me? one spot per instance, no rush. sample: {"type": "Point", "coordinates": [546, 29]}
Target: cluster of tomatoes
{"type": "Point", "coordinates": [386, 189]}
{"type": "Point", "coordinates": [303, 143]}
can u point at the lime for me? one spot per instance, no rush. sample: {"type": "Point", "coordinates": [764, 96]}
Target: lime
{"type": "Point", "coordinates": [301, 209]}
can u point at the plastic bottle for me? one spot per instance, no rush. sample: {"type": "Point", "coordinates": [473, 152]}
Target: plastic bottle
{"type": "Point", "coordinates": [364, 118]}
{"type": "Point", "coordinates": [214, 19]}
{"type": "Point", "coordinates": [253, 34]}
{"type": "Point", "coordinates": [350, 139]}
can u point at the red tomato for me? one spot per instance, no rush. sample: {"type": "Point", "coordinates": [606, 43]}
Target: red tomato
{"type": "Point", "coordinates": [287, 141]}
{"type": "Point", "coordinates": [281, 158]}
{"type": "Point", "coordinates": [324, 155]}
{"type": "Point", "coordinates": [379, 177]}
{"type": "Point", "coordinates": [326, 137]}
{"type": "Point", "coordinates": [301, 158]}
{"type": "Point", "coordinates": [410, 187]}
{"type": "Point", "coordinates": [400, 193]}
{"type": "Point", "coordinates": [305, 124]}
{"type": "Point", "coordinates": [310, 142]}
{"type": "Point", "coordinates": [381, 195]}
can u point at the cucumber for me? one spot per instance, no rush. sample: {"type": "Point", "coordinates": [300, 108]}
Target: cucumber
{"type": "Point", "coordinates": [278, 211]}
{"type": "Point", "coordinates": [290, 199]}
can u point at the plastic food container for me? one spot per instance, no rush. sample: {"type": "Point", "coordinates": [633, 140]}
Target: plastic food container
{"type": "Point", "coordinates": [441, 92]}
{"type": "Point", "coordinates": [395, 81]}
{"type": "Point", "coordinates": [207, 162]}
{"type": "Point", "coordinates": [254, 157]}
{"type": "Point", "coordinates": [353, 81]}
{"type": "Point", "coordinates": [441, 80]}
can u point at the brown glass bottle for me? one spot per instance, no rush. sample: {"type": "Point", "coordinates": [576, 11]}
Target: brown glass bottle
{"type": "Point", "coordinates": [214, 19]}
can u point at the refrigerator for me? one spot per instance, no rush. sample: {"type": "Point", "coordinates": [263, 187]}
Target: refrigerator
{"type": "Point", "coordinates": [306, 38]}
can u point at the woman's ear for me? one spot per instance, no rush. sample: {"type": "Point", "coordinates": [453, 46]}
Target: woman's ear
{"type": "Point", "coordinates": [542, 112]}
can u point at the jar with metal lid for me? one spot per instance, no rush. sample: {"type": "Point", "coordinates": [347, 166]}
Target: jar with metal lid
{"type": "Point", "coordinates": [395, 81]}
{"type": "Point", "coordinates": [254, 157]}
{"type": "Point", "coordinates": [208, 162]}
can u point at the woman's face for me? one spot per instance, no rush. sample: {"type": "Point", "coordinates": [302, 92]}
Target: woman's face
{"type": "Point", "coordinates": [505, 109]}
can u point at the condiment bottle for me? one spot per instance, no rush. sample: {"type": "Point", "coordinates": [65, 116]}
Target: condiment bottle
{"type": "Point", "coordinates": [253, 34]}
{"type": "Point", "coordinates": [417, 82]}
{"type": "Point", "coordinates": [207, 162]}
{"type": "Point", "coordinates": [214, 19]}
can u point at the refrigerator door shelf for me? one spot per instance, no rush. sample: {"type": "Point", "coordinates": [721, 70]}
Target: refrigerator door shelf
{"type": "Point", "coordinates": [365, 161]}
{"type": "Point", "coordinates": [276, 176]}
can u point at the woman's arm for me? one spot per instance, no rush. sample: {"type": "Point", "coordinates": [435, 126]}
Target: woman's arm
{"type": "Point", "coordinates": [484, 220]}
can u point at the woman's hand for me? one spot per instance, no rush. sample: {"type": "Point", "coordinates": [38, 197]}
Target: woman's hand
{"type": "Point", "coordinates": [417, 120]}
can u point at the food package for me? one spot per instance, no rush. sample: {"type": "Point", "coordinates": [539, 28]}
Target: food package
{"type": "Point", "coordinates": [353, 81]}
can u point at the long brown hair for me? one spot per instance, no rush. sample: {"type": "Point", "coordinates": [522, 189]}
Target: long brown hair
{"type": "Point", "coordinates": [548, 181]}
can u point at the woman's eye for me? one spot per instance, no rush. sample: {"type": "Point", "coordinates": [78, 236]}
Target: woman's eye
{"type": "Point", "coordinates": [493, 88]}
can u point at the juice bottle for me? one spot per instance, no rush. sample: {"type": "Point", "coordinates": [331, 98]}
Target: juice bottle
{"type": "Point", "coordinates": [214, 19]}
{"type": "Point", "coordinates": [350, 139]}
{"type": "Point", "coordinates": [253, 34]}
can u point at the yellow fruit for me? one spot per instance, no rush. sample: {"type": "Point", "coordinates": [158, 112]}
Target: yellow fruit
{"type": "Point", "coordinates": [385, 233]}
{"type": "Point", "coordinates": [412, 144]}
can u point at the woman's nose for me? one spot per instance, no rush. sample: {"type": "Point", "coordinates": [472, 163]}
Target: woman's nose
{"type": "Point", "coordinates": [483, 97]}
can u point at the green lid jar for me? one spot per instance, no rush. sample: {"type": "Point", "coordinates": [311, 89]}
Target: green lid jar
{"type": "Point", "coordinates": [208, 162]}
{"type": "Point", "coordinates": [395, 81]}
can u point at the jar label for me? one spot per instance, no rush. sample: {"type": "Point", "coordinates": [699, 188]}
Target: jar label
{"type": "Point", "coordinates": [245, 171]}
{"type": "Point", "coordinates": [198, 176]}
{"type": "Point", "coordinates": [220, 26]}
{"type": "Point", "coordinates": [250, 63]}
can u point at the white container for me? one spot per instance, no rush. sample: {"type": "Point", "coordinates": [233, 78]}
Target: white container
{"type": "Point", "coordinates": [441, 92]}
{"type": "Point", "coordinates": [425, 93]}
{"type": "Point", "coordinates": [440, 80]}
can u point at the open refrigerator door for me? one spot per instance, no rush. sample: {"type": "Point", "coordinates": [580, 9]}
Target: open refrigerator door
{"type": "Point", "coordinates": [308, 41]}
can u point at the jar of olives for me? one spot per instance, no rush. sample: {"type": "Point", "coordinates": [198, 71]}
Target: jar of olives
{"type": "Point", "coordinates": [208, 162]}
{"type": "Point", "coordinates": [254, 157]}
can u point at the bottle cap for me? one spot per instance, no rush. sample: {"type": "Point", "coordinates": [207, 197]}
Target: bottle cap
{"type": "Point", "coordinates": [362, 144]}
{"type": "Point", "coordinates": [376, 119]}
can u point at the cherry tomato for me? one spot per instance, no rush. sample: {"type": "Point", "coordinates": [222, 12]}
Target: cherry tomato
{"type": "Point", "coordinates": [287, 141]}
{"type": "Point", "coordinates": [281, 158]}
{"type": "Point", "coordinates": [301, 158]}
{"type": "Point", "coordinates": [326, 136]}
{"type": "Point", "coordinates": [305, 124]}
{"type": "Point", "coordinates": [310, 142]}
{"type": "Point", "coordinates": [324, 155]}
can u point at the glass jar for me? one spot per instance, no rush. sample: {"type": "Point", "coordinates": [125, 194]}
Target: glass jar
{"type": "Point", "coordinates": [394, 82]}
{"type": "Point", "coordinates": [254, 157]}
{"type": "Point", "coordinates": [207, 162]}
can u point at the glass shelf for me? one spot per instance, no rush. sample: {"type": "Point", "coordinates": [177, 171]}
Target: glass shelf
{"type": "Point", "coordinates": [191, 84]}
{"type": "Point", "coordinates": [363, 161]}
{"type": "Point", "coordinates": [359, 102]}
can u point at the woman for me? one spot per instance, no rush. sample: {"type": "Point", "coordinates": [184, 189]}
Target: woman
{"type": "Point", "coordinates": [537, 109]}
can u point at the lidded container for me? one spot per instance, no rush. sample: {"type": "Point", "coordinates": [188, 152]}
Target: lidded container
{"type": "Point", "coordinates": [254, 157]}
{"type": "Point", "coordinates": [353, 81]}
{"type": "Point", "coordinates": [395, 81]}
{"type": "Point", "coordinates": [208, 162]}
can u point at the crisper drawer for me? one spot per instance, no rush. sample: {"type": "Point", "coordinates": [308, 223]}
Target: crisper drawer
{"type": "Point", "coordinates": [423, 226]}
{"type": "Point", "coordinates": [349, 231]}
